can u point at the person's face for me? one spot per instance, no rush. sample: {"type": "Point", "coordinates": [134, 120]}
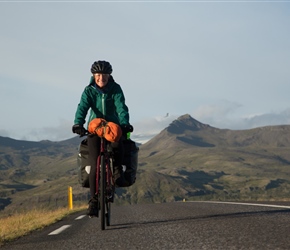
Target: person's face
{"type": "Point", "coordinates": [101, 79]}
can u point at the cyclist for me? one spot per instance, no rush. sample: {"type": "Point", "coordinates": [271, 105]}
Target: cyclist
{"type": "Point", "coordinates": [105, 99]}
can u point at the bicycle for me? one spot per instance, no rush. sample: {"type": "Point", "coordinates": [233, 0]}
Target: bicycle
{"type": "Point", "coordinates": [105, 183]}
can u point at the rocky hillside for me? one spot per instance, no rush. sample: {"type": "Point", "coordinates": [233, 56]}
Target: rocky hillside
{"type": "Point", "coordinates": [204, 162]}
{"type": "Point", "coordinates": [32, 170]}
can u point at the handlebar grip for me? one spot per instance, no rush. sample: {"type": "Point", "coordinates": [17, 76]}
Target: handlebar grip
{"type": "Point", "coordinates": [127, 129]}
{"type": "Point", "coordinates": [86, 132]}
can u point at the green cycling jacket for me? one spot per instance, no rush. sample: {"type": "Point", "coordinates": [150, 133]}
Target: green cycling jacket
{"type": "Point", "coordinates": [107, 103]}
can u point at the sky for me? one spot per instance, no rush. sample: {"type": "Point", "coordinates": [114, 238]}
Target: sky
{"type": "Point", "coordinates": [226, 63]}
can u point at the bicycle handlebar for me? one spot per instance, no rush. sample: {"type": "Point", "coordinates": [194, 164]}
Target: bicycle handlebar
{"type": "Point", "coordinates": [125, 130]}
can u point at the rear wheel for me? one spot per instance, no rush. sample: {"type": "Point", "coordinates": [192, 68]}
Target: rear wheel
{"type": "Point", "coordinates": [103, 193]}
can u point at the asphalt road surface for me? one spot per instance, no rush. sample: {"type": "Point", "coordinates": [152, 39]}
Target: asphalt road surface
{"type": "Point", "coordinates": [177, 225]}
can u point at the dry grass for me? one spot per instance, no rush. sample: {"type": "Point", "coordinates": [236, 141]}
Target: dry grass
{"type": "Point", "coordinates": [20, 224]}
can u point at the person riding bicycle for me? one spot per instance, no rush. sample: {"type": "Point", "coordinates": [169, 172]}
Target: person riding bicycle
{"type": "Point", "coordinates": [106, 100]}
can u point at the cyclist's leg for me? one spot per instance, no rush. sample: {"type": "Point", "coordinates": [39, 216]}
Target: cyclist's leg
{"type": "Point", "coordinates": [94, 149]}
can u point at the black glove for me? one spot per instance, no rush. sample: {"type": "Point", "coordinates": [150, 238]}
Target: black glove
{"type": "Point", "coordinates": [127, 128]}
{"type": "Point", "coordinates": [78, 129]}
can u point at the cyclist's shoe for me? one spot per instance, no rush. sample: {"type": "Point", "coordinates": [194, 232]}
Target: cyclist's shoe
{"type": "Point", "coordinates": [119, 178]}
{"type": "Point", "coordinates": [93, 209]}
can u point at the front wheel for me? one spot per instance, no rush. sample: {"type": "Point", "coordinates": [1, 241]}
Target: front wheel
{"type": "Point", "coordinates": [108, 214]}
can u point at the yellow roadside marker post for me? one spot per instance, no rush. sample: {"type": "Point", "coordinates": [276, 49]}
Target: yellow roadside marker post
{"type": "Point", "coordinates": [70, 198]}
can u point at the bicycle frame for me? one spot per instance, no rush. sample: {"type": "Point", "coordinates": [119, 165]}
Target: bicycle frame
{"type": "Point", "coordinates": [105, 185]}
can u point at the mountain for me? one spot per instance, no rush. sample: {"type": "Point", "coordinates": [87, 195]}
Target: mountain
{"type": "Point", "coordinates": [24, 154]}
{"type": "Point", "coordinates": [203, 162]}
{"type": "Point", "coordinates": [186, 131]}
{"type": "Point", "coordinates": [186, 160]}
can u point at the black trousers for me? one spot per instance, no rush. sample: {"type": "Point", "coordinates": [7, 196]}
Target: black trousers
{"type": "Point", "coordinates": [94, 143]}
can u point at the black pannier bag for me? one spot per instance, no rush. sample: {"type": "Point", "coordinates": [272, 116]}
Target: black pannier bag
{"type": "Point", "coordinates": [130, 160]}
{"type": "Point", "coordinates": [83, 164]}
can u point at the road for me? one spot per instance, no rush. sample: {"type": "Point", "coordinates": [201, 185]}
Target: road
{"type": "Point", "coordinates": [177, 225]}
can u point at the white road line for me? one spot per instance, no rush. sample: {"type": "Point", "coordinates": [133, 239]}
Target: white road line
{"type": "Point", "coordinates": [80, 217]}
{"type": "Point", "coordinates": [245, 204]}
{"type": "Point", "coordinates": [61, 229]}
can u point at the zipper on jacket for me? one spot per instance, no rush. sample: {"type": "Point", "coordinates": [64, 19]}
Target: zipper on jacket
{"type": "Point", "coordinates": [103, 106]}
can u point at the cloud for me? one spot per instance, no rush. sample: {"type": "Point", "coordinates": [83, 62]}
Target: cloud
{"type": "Point", "coordinates": [268, 119]}
{"type": "Point", "coordinates": [226, 114]}
{"type": "Point", "coordinates": [60, 132]}
{"type": "Point", "coordinates": [4, 132]}
{"type": "Point", "coordinates": [219, 114]}
{"type": "Point", "coordinates": [149, 127]}
{"type": "Point", "coordinates": [222, 108]}
{"type": "Point", "coordinates": [143, 130]}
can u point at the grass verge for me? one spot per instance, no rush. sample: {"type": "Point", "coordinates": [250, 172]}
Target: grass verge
{"type": "Point", "coordinates": [22, 223]}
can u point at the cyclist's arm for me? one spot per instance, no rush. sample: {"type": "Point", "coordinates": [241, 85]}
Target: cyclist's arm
{"type": "Point", "coordinates": [121, 108]}
{"type": "Point", "coordinates": [82, 108]}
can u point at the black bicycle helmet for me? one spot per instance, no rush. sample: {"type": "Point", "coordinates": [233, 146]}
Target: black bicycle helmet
{"type": "Point", "coordinates": [101, 67]}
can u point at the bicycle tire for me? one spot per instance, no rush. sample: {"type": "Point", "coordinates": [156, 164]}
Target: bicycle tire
{"type": "Point", "coordinates": [108, 214]}
{"type": "Point", "coordinates": [103, 192]}
{"type": "Point", "coordinates": [110, 195]}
